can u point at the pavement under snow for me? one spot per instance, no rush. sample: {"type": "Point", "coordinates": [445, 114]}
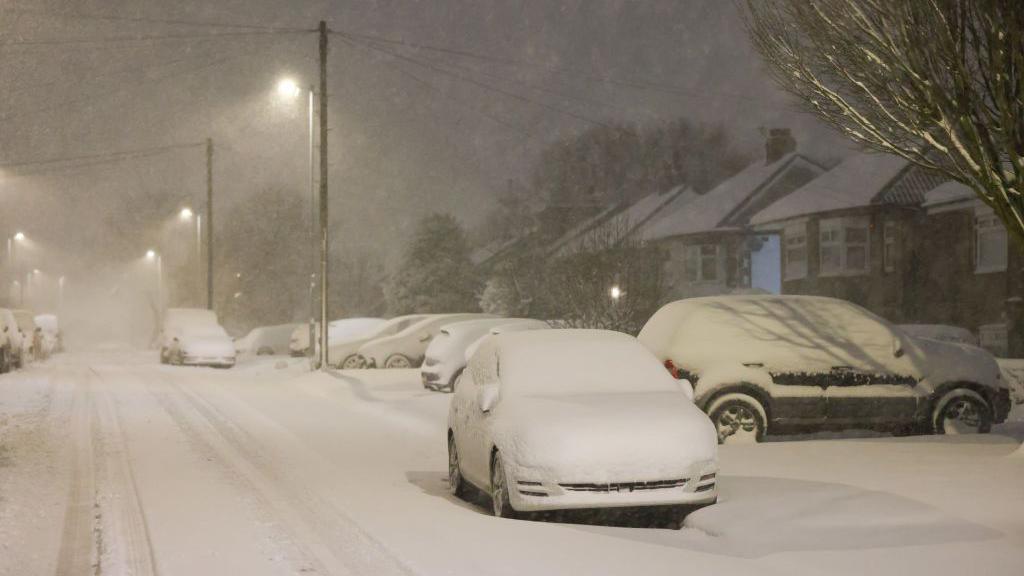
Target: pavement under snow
{"type": "Point", "coordinates": [113, 464]}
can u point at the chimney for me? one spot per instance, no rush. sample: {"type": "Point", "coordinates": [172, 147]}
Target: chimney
{"type": "Point", "coordinates": [779, 143]}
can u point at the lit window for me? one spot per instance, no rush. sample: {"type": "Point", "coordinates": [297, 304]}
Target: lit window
{"type": "Point", "coordinates": [844, 246]}
{"type": "Point", "coordinates": [990, 253]}
{"type": "Point", "coordinates": [795, 254]}
{"type": "Point", "coordinates": [889, 252]}
{"type": "Point", "coordinates": [702, 262]}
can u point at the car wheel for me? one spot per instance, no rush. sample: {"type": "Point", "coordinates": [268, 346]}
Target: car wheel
{"type": "Point", "coordinates": [397, 361]}
{"type": "Point", "coordinates": [455, 379]}
{"type": "Point", "coordinates": [738, 419]}
{"type": "Point", "coordinates": [351, 362]}
{"type": "Point", "coordinates": [962, 411]}
{"type": "Point", "coordinates": [456, 485]}
{"type": "Point", "coordinates": [265, 351]}
{"type": "Point", "coordinates": [501, 506]}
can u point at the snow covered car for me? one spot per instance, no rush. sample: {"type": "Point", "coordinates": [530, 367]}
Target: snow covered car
{"type": "Point", "coordinates": [568, 419]}
{"type": "Point", "coordinates": [344, 352]}
{"type": "Point", "coordinates": [13, 342]}
{"type": "Point", "coordinates": [406, 349]}
{"type": "Point", "coordinates": [27, 328]}
{"type": "Point", "coordinates": [267, 340]}
{"type": "Point", "coordinates": [193, 337]}
{"type": "Point", "coordinates": [445, 357]}
{"type": "Point", "coordinates": [777, 364]}
{"type": "Point", "coordinates": [52, 339]}
{"type": "Point", "coordinates": [338, 331]}
{"type": "Point", "coordinates": [941, 332]}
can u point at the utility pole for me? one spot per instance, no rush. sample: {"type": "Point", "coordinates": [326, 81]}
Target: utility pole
{"type": "Point", "coordinates": [209, 223]}
{"type": "Point", "coordinates": [324, 356]}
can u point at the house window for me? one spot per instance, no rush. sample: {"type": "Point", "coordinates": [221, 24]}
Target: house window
{"type": "Point", "coordinates": [889, 253]}
{"type": "Point", "coordinates": [843, 246]}
{"type": "Point", "coordinates": [990, 252]}
{"type": "Point", "coordinates": [795, 254]}
{"type": "Point", "coordinates": [702, 262]}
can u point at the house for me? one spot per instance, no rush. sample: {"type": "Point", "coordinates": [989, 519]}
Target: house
{"type": "Point", "coordinates": [710, 248]}
{"type": "Point", "coordinates": [968, 272]}
{"type": "Point", "coordinates": [903, 242]}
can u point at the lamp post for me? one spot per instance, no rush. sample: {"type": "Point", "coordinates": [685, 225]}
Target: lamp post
{"type": "Point", "coordinates": [153, 256]}
{"type": "Point", "coordinates": [289, 89]}
{"type": "Point", "coordinates": [187, 215]}
{"type": "Point", "coordinates": [12, 254]}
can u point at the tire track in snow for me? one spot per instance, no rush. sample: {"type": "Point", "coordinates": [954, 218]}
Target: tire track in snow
{"type": "Point", "coordinates": [333, 536]}
{"type": "Point", "coordinates": [77, 554]}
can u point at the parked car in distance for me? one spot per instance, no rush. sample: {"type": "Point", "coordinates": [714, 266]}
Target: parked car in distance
{"type": "Point", "coordinates": [516, 325]}
{"type": "Point", "coordinates": [568, 419]}
{"type": "Point", "coordinates": [941, 332]}
{"type": "Point", "coordinates": [14, 341]}
{"type": "Point", "coordinates": [267, 340]}
{"type": "Point", "coordinates": [193, 337]}
{"type": "Point", "coordinates": [344, 353]}
{"type": "Point", "coordinates": [406, 349]}
{"type": "Point", "coordinates": [776, 364]}
{"type": "Point", "coordinates": [27, 327]}
{"type": "Point", "coordinates": [53, 341]}
{"type": "Point", "coordinates": [445, 357]}
{"type": "Point", "coordinates": [340, 330]}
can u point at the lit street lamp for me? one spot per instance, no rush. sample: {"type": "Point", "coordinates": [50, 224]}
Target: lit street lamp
{"type": "Point", "coordinates": [153, 256]}
{"type": "Point", "coordinates": [12, 253]}
{"type": "Point", "coordinates": [615, 292]}
{"type": "Point", "coordinates": [289, 88]}
{"type": "Point", "coordinates": [186, 215]}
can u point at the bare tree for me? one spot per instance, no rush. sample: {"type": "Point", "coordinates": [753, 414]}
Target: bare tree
{"type": "Point", "coordinates": [938, 82]}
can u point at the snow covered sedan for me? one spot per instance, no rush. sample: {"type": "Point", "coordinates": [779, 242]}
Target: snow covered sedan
{"type": "Point", "coordinates": [406, 349]}
{"type": "Point", "coordinates": [569, 419]}
{"type": "Point", "coordinates": [777, 364]}
{"type": "Point", "coordinates": [445, 357]}
{"type": "Point", "coordinates": [193, 337]}
{"type": "Point", "coordinates": [12, 340]}
{"type": "Point", "coordinates": [341, 330]}
{"type": "Point", "coordinates": [523, 325]}
{"type": "Point", "coordinates": [344, 351]}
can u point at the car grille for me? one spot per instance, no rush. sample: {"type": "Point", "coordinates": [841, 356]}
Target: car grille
{"type": "Point", "coordinates": [626, 486]}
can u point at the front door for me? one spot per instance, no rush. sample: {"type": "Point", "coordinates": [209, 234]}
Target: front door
{"type": "Point", "coordinates": [798, 399]}
{"type": "Point", "coordinates": [859, 398]}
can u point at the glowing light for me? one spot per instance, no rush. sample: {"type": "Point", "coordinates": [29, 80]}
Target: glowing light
{"type": "Point", "coordinates": [185, 214]}
{"type": "Point", "coordinates": [19, 236]}
{"type": "Point", "coordinates": [150, 254]}
{"type": "Point", "coordinates": [615, 292]}
{"type": "Point", "coordinates": [288, 88]}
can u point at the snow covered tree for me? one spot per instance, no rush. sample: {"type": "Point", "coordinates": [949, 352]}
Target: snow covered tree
{"type": "Point", "coordinates": [938, 82]}
{"type": "Point", "coordinates": [436, 273]}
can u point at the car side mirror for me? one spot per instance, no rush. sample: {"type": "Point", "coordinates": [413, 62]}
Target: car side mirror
{"type": "Point", "coordinates": [897, 347]}
{"type": "Point", "coordinates": [487, 397]}
{"type": "Point", "coordinates": [424, 337]}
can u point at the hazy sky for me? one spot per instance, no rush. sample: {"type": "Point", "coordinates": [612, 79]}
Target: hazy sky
{"type": "Point", "coordinates": [425, 130]}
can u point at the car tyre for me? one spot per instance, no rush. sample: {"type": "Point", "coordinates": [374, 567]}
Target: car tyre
{"type": "Point", "coordinates": [738, 418]}
{"type": "Point", "coordinates": [351, 362]}
{"type": "Point", "coordinates": [501, 505]}
{"type": "Point", "coordinates": [398, 361]}
{"type": "Point", "coordinates": [962, 411]}
{"type": "Point", "coordinates": [456, 484]}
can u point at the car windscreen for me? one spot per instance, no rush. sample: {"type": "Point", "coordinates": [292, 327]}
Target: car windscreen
{"type": "Point", "coordinates": [580, 365]}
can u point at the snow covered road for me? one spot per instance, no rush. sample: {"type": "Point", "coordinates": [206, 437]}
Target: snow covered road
{"type": "Point", "coordinates": [113, 464]}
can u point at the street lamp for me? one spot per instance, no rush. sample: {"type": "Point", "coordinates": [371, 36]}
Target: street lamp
{"type": "Point", "coordinates": [185, 215]}
{"type": "Point", "coordinates": [19, 236]}
{"type": "Point", "coordinates": [289, 88]}
{"type": "Point", "coordinates": [12, 252]}
{"type": "Point", "coordinates": [153, 256]}
{"type": "Point", "coordinates": [615, 292]}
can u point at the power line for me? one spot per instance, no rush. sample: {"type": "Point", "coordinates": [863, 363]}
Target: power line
{"type": "Point", "coordinates": [118, 155]}
{"type": "Point", "coordinates": [143, 19]}
{"type": "Point", "coordinates": [142, 38]}
{"type": "Point", "coordinates": [484, 85]}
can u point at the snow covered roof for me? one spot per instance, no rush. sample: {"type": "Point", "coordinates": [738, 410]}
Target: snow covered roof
{"type": "Point", "coordinates": [855, 182]}
{"type": "Point", "coordinates": [621, 222]}
{"type": "Point", "coordinates": [947, 194]}
{"type": "Point", "coordinates": [715, 210]}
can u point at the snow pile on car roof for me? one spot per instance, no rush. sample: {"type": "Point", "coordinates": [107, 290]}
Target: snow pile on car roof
{"type": "Point", "coordinates": [793, 333]}
{"type": "Point", "coordinates": [577, 362]}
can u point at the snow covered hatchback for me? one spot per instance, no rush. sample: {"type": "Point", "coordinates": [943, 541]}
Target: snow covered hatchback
{"type": "Point", "coordinates": [569, 419]}
{"type": "Point", "coordinates": [801, 363]}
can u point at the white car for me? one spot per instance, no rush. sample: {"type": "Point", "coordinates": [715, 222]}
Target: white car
{"type": "Point", "coordinates": [407, 348]}
{"type": "Point", "coordinates": [344, 353]}
{"type": "Point", "coordinates": [520, 325]}
{"type": "Point", "coordinates": [13, 341]}
{"type": "Point", "coordinates": [193, 337]}
{"type": "Point", "coordinates": [341, 330]}
{"type": "Point", "coordinates": [568, 419]}
{"type": "Point", "coordinates": [775, 364]}
{"type": "Point", "coordinates": [52, 339]}
{"type": "Point", "coordinates": [940, 332]}
{"type": "Point", "coordinates": [267, 340]}
{"type": "Point", "coordinates": [445, 357]}
{"type": "Point", "coordinates": [27, 328]}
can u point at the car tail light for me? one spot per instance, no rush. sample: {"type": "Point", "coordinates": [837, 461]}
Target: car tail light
{"type": "Point", "coordinates": [672, 369]}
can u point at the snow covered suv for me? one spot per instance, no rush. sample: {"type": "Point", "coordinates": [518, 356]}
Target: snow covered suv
{"type": "Point", "coordinates": [800, 363]}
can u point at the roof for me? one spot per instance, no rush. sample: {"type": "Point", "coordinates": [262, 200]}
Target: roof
{"type": "Point", "coordinates": [855, 182]}
{"type": "Point", "coordinates": [714, 209]}
{"type": "Point", "coordinates": [619, 223]}
{"type": "Point", "coordinates": [947, 194]}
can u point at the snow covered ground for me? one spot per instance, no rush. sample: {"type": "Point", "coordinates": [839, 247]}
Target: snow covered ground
{"type": "Point", "coordinates": [113, 464]}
